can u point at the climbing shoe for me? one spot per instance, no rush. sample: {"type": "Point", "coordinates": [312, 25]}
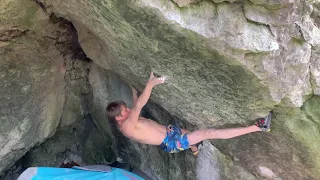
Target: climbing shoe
{"type": "Point", "coordinates": [199, 146]}
{"type": "Point", "coordinates": [264, 123]}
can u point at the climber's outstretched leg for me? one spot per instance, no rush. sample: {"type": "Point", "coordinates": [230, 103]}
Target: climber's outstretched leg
{"type": "Point", "coordinates": [200, 135]}
{"type": "Point", "coordinates": [203, 134]}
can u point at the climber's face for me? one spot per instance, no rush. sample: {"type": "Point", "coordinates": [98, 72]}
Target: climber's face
{"type": "Point", "coordinates": [124, 113]}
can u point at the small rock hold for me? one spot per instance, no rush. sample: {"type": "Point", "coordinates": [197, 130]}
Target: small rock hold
{"type": "Point", "coordinates": [10, 34]}
{"type": "Point", "coordinates": [62, 68]}
{"type": "Point", "coordinates": [182, 3]}
{"type": "Point", "coordinates": [264, 171]}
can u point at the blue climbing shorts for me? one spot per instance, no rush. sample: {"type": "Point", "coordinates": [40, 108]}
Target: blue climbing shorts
{"type": "Point", "coordinates": [174, 141]}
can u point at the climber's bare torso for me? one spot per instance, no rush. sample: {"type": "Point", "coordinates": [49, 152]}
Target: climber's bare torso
{"type": "Point", "coordinates": [145, 131]}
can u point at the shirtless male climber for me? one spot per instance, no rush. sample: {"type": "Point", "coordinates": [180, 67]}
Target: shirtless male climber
{"type": "Point", "coordinates": [171, 139]}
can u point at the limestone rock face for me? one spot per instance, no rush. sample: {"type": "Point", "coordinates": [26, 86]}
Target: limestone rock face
{"type": "Point", "coordinates": [81, 142]}
{"type": "Point", "coordinates": [32, 89]}
{"type": "Point", "coordinates": [34, 94]}
{"type": "Point", "coordinates": [188, 63]}
{"type": "Point", "coordinates": [212, 164]}
{"type": "Point", "coordinates": [315, 70]}
{"type": "Point", "coordinates": [227, 62]}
